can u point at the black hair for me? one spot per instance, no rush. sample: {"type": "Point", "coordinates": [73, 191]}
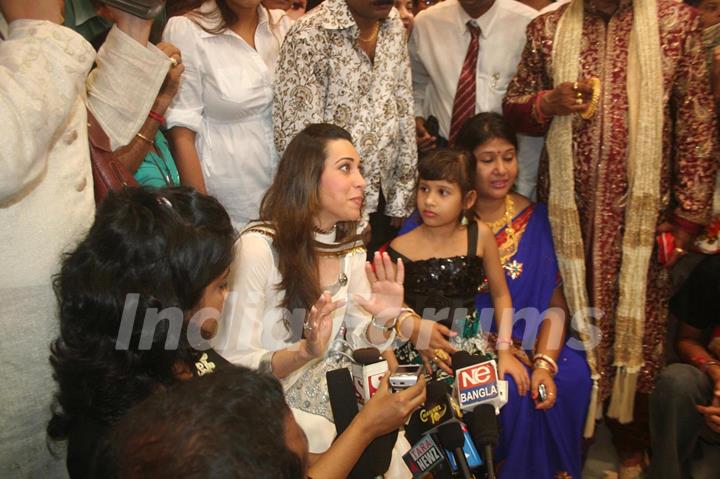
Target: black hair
{"type": "Point", "coordinates": [693, 3]}
{"type": "Point", "coordinates": [229, 424]}
{"type": "Point", "coordinates": [454, 166]}
{"type": "Point", "coordinates": [158, 248]}
{"type": "Point", "coordinates": [484, 127]}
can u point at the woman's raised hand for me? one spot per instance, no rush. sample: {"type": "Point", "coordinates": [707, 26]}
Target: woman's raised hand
{"type": "Point", "coordinates": [318, 325]}
{"type": "Point", "coordinates": [386, 285]}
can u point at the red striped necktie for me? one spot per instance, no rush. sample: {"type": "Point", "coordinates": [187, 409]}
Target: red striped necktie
{"type": "Point", "coordinates": [464, 103]}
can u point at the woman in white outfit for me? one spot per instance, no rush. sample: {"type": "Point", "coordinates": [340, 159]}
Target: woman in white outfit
{"type": "Point", "coordinates": [303, 248]}
{"type": "Point", "coordinates": [221, 120]}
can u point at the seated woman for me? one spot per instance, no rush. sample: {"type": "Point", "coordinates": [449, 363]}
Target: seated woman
{"type": "Point", "coordinates": [128, 297]}
{"type": "Point", "coordinates": [303, 248]}
{"type": "Point", "coordinates": [539, 438]}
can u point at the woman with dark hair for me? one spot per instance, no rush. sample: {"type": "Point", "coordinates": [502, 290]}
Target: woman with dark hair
{"type": "Point", "coordinates": [304, 298]}
{"type": "Point", "coordinates": [541, 436]}
{"type": "Point", "coordinates": [128, 297]}
{"type": "Point", "coordinates": [220, 123]}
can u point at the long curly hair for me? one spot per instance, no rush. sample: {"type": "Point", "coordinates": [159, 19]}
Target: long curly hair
{"type": "Point", "coordinates": [153, 249]}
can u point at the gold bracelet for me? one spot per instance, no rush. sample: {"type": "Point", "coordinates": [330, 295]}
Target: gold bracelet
{"type": "Point", "coordinates": [145, 139]}
{"type": "Point", "coordinates": [401, 320]}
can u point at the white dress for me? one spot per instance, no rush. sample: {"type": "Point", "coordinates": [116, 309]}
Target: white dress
{"type": "Point", "coordinates": [226, 99]}
{"type": "Point", "coordinates": [252, 329]}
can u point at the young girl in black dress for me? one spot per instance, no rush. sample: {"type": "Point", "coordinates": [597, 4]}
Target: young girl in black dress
{"type": "Point", "coordinates": [448, 258]}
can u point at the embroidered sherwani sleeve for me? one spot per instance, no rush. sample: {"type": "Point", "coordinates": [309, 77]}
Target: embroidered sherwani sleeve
{"type": "Point", "coordinates": [299, 91]}
{"type": "Point", "coordinates": [696, 135]}
{"type": "Point", "coordinates": [42, 71]}
{"type": "Point", "coordinates": [529, 80]}
{"type": "Point", "coordinates": [400, 196]}
{"type": "Point", "coordinates": [123, 87]}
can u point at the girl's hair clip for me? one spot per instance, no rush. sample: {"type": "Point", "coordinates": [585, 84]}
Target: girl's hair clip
{"type": "Point", "coordinates": [164, 201]}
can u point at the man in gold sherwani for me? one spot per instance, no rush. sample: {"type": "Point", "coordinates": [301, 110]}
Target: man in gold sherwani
{"type": "Point", "coordinates": [620, 88]}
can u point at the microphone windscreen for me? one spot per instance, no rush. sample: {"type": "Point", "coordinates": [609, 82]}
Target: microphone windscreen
{"type": "Point", "coordinates": [367, 355]}
{"type": "Point", "coordinates": [343, 401]}
{"type": "Point", "coordinates": [462, 359]}
{"type": "Point", "coordinates": [451, 435]}
{"type": "Point", "coordinates": [483, 425]}
{"type": "Point", "coordinates": [436, 391]}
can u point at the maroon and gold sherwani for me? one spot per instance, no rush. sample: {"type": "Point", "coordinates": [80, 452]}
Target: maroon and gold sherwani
{"type": "Point", "coordinates": [600, 147]}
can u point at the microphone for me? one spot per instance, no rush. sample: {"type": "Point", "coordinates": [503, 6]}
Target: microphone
{"type": "Point", "coordinates": [483, 426]}
{"type": "Point", "coordinates": [439, 409]}
{"type": "Point", "coordinates": [481, 416]}
{"type": "Point", "coordinates": [375, 460]}
{"type": "Point", "coordinates": [425, 457]}
{"type": "Point", "coordinates": [367, 371]}
{"type": "Point", "coordinates": [451, 436]}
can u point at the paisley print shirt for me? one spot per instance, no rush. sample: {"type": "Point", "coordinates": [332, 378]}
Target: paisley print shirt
{"type": "Point", "coordinates": [324, 76]}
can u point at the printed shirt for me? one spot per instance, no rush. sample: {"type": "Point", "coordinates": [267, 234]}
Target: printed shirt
{"type": "Point", "coordinates": [324, 76]}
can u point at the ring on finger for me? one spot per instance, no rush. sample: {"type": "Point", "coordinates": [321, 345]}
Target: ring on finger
{"type": "Point", "coordinates": [173, 62]}
{"type": "Point", "coordinates": [439, 353]}
{"type": "Point", "coordinates": [575, 86]}
{"type": "Point", "coordinates": [578, 101]}
{"type": "Point", "coordinates": [307, 327]}
{"type": "Point", "coordinates": [435, 358]}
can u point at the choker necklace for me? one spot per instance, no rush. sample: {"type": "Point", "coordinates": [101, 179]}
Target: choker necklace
{"type": "Point", "coordinates": [325, 232]}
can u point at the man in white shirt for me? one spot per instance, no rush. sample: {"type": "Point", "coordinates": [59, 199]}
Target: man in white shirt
{"type": "Point", "coordinates": [438, 48]}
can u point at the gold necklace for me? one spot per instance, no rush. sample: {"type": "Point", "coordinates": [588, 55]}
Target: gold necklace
{"type": "Point", "coordinates": [514, 268]}
{"type": "Point", "coordinates": [372, 36]}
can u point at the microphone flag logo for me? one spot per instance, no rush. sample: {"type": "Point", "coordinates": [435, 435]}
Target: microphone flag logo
{"type": "Point", "coordinates": [477, 384]}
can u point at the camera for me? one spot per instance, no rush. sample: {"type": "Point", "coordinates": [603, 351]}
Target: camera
{"type": "Point", "coordinates": [140, 8]}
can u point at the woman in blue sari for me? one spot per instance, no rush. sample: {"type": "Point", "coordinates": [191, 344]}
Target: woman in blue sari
{"type": "Point", "coordinates": [539, 439]}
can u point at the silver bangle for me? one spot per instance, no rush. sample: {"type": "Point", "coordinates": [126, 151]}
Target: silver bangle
{"type": "Point", "coordinates": [384, 327]}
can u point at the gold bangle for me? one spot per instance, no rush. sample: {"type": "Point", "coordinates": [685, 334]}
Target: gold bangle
{"type": "Point", "coordinates": [401, 320]}
{"type": "Point", "coordinates": [550, 361]}
{"type": "Point", "coordinates": [542, 364]}
{"type": "Point", "coordinates": [596, 86]}
{"type": "Point", "coordinates": [145, 139]}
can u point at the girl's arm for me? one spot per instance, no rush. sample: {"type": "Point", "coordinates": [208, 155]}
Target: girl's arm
{"type": "Point", "coordinates": [487, 248]}
{"type": "Point", "coordinates": [507, 363]}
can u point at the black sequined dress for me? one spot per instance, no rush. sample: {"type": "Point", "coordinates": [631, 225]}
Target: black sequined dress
{"type": "Point", "coordinates": [443, 289]}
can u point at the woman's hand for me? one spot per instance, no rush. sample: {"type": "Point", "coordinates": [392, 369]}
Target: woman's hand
{"type": "Point", "coordinates": [430, 339]}
{"type": "Point", "coordinates": [386, 284]}
{"type": "Point", "coordinates": [172, 81]}
{"type": "Point", "coordinates": [543, 376]}
{"type": "Point", "coordinates": [387, 411]}
{"type": "Point", "coordinates": [507, 363]}
{"type": "Point", "coordinates": [318, 326]}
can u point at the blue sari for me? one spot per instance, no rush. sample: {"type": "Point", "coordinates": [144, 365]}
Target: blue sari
{"type": "Point", "coordinates": [534, 443]}
{"type": "Point", "coordinates": [537, 444]}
